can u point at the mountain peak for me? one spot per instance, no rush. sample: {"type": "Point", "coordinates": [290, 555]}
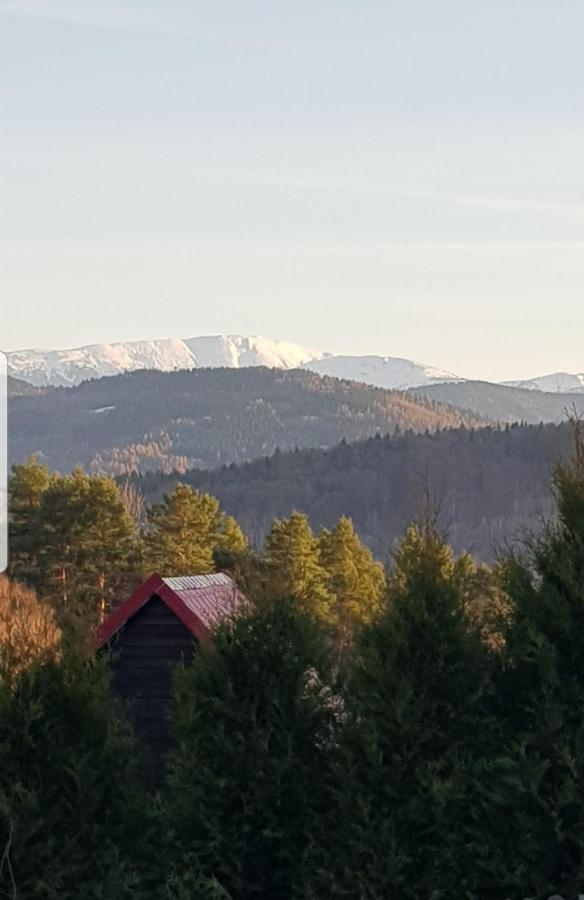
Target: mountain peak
{"type": "Point", "coordinates": [70, 367]}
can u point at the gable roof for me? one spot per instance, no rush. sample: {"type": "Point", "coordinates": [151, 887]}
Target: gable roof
{"type": "Point", "coordinates": [199, 601]}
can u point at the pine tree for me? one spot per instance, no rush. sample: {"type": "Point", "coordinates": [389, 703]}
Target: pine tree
{"type": "Point", "coordinates": [356, 582]}
{"type": "Point", "coordinates": [87, 552]}
{"type": "Point", "coordinates": [294, 567]}
{"type": "Point", "coordinates": [27, 483]}
{"type": "Point", "coordinates": [229, 538]}
{"type": "Point", "coordinates": [186, 530]}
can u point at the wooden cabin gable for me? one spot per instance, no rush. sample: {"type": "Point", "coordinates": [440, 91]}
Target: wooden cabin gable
{"type": "Point", "coordinates": [143, 654]}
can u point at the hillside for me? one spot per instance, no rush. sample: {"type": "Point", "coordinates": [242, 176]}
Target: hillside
{"type": "Point", "coordinates": [489, 484]}
{"type": "Point", "coordinates": [205, 418]}
{"type": "Point", "coordinates": [19, 388]}
{"type": "Point", "coordinates": [502, 403]}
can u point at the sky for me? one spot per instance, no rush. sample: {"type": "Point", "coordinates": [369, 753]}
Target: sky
{"type": "Point", "coordinates": [358, 176]}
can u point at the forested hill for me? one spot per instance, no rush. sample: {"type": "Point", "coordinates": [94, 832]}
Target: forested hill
{"type": "Point", "coordinates": [504, 403]}
{"type": "Point", "coordinates": [151, 420]}
{"type": "Point", "coordinates": [18, 388]}
{"type": "Point", "coordinates": [489, 484]}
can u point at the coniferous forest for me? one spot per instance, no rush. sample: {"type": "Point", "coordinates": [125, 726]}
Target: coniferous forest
{"type": "Point", "coordinates": [174, 421]}
{"type": "Point", "coordinates": [360, 731]}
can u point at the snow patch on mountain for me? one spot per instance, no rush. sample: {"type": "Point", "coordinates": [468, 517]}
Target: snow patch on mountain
{"type": "Point", "coordinates": [70, 367]}
{"type": "Point", "coordinates": [236, 351]}
{"type": "Point", "coordinates": [558, 383]}
{"type": "Point", "coordinates": [389, 372]}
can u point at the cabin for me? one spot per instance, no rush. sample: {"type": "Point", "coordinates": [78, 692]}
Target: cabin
{"type": "Point", "coordinates": [165, 622]}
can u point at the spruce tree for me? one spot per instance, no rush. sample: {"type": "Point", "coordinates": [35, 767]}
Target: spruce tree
{"type": "Point", "coordinates": [356, 582]}
{"type": "Point", "coordinates": [542, 696]}
{"type": "Point", "coordinates": [252, 723]}
{"type": "Point", "coordinates": [69, 795]}
{"type": "Point", "coordinates": [294, 569]}
{"type": "Point", "coordinates": [401, 783]}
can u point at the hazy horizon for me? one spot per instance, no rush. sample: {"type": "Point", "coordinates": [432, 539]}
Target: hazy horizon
{"type": "Point", "coordinates": [383, 179]}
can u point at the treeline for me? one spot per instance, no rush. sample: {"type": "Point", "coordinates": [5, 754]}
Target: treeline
{"type": "Point", "coordinates": [488, 484]}
{"type": "Point", "coordinates": [82, 543]}
{"type": "Point", "coordinates": [433, 750]}
{"type": "Point", "coordinates": [147, 421]}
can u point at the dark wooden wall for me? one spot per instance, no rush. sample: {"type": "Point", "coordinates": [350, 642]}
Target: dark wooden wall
{"type": "Point", "coordinates": [143, 655]}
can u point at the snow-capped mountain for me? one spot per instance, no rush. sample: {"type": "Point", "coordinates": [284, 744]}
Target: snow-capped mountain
{"type": "Point", "coordinates": [558, 383]}
{"type": "Point", "coordinates": [382, 371]}
{"type": "Point", "coordinates": [70, 367]}
{"type": "Point", "coordinates": [236, 351]}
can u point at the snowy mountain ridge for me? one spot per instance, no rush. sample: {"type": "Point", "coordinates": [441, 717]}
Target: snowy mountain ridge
{"type": "Point", "coordinates": [72, 366]}
{"type": "Point", "coordinates": [558, 383]}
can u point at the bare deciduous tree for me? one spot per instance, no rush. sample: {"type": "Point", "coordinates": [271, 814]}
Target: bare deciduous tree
{"type": "Point", "coordinates": [28, 631]}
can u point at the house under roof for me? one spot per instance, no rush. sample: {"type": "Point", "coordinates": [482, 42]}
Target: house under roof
{"type": "Point", "coordinates": [163, 623]}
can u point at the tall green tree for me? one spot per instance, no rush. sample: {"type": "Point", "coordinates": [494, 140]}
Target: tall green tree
{"type": "Point", "coordinates": [28, 481]}
{"type": "Point", "coordinates": [252, 724]}
{"type": "Point", "coordinates": [186, 530]}
{"type": "Point", "coordinates": [400, 785]}
{"type": "Point", "coordinates": [68, 786]}
{"type": "Point", "coordinates": [294, 568]}
{"type": "Point", "coordinates": [87, 550]}
{"type": "Point", "coordinates": [541, 691]}
{"type": "Point", "coordinates": [355, 580]}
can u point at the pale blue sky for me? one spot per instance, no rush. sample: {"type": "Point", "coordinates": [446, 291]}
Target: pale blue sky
{"type": "Point", "coordinates": [368, 177]}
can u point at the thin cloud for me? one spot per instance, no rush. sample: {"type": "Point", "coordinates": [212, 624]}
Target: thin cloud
{"type": "Point", "coordinates": [86, 14]}
{"type": "Point", "coordinates": [119, 18]}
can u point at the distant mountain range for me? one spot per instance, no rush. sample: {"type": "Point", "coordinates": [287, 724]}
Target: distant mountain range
{"type": "Point", "coordinates": [558, 383]}
{"type": "Point", "coordinates": [503, 403]}
{"type": "Point", "coordinates": [66, 368]}
{"type": "Point", "coordinates": [143, 421]}
{"type": "Point", "coordinates": [70, 367]}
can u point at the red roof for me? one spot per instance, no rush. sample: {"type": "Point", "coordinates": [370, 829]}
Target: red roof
{"type": "Point", "coordinates": [199, 601]}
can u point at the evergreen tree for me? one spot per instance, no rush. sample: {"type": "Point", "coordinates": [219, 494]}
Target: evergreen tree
{"type": "Point", "coordinates": [294, 567]}
{"type": "Point", "coordinates": [401, 786]}
{"type": "Point", "coordinates": [542, 697]}
{"type": "Point", "coordinates": [251, 721]}
{"type": "Point", "coordinates": [186, 530]}
{"type": "Point", "coordinates": [68, 788]}
{"type": "Point", "coordinates": [27, 483]}
{"type": "Point", "coordinates": [87, 551]}
{"type": "Point", "coordinates": [356, 582]}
